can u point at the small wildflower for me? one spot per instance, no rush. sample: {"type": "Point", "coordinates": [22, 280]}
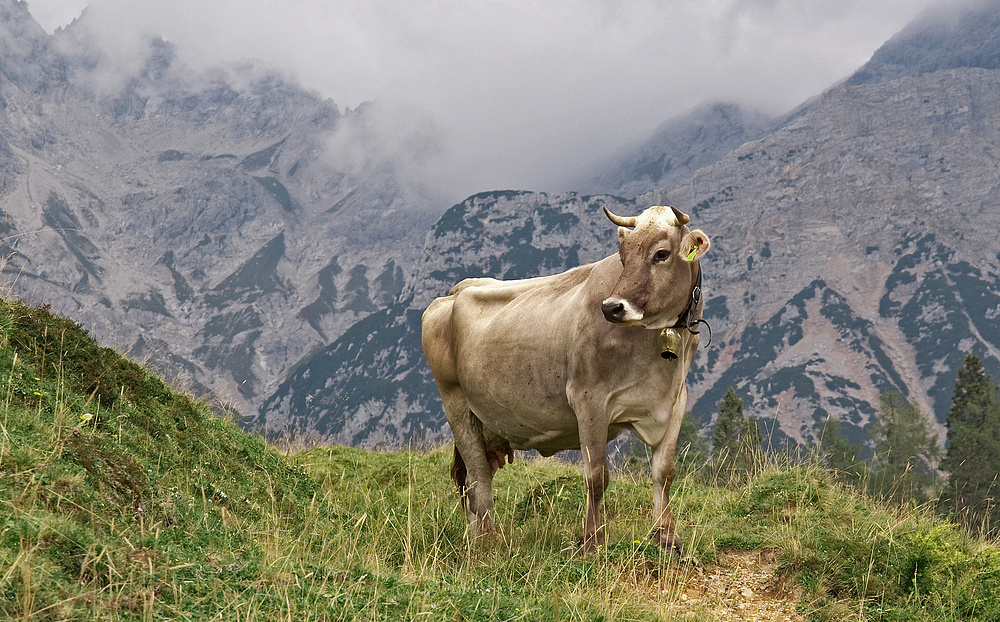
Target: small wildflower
{"type": "Point", "coordinates": [85, 417]}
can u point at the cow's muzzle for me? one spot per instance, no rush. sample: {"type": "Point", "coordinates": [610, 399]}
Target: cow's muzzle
{"type": "Point", "coordinates": [613, 310]}
{"type": "Point", "coordinates": [619, 311]}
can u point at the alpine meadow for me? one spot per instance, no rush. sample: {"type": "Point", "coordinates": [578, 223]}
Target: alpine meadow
{"type": "Point", "coordinates": [126, 500]}
{"type": "Point", "coordinates": [215, 405]}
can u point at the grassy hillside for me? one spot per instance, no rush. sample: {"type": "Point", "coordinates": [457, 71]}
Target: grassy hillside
{"type": "Point", "coordinates": [123, 500]}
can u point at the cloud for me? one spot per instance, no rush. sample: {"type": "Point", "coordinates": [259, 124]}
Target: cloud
{"type": "Point", "coordinates": [525, 93]}
{"type": "Point", "coordinates": [383, 134]}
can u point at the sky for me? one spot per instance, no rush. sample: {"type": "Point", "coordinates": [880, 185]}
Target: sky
{"type": "Point", "coordinates": [521, 94]}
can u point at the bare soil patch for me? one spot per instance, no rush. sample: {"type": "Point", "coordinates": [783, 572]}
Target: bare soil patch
{"type": "Point", "coordinates": [742, 586]}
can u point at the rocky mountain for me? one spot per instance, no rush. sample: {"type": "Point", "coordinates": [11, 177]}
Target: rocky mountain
{"type": "Point", "coordinates": [221, 226]}
{"type": "Point", "coordinates": [854, 251]}
{"type": "Point", "coordinates": [677, 149]}
{"type": "Point", "coordinates": [372, 387]}
{"type": "Point", "coordinates": [253, 240]}
{"type": "Point", "coordinates": [951, 35]}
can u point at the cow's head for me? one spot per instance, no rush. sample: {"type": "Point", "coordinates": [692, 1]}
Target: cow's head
{"type": "Point", "coordinates": [659, 267]}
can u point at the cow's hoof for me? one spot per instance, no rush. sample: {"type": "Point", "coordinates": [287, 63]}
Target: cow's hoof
{"type": "Point", "coordinates": [483, 528]}
{"type": "Point", "coordinates": [669, 541]}
{"type": "Point", "coordinates": [589, 546]}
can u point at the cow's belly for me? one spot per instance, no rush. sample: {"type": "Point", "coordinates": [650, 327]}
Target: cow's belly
{"type": "Point", "coordinates": [526, 425]}
{"type": "Point", "coordinates": [512, 366]}
{"type": "Point", "coordinates": [521, 398]}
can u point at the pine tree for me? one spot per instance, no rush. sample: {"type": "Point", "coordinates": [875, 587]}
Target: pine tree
{"type": "Point", "coordinates": [736, 440]}
{"type": "Point", "coordinates": [839, 455]}
{"type": "Point", "coordinates": [971, 401]}
{"type": "Point", "coordinates": [729, 427]}
{"type": "Point", "coordinates": [905, 450]}
{"type": "Point", "coordinates": [972, 460]}
{"type": "Point", "coordinates": [750, 445]}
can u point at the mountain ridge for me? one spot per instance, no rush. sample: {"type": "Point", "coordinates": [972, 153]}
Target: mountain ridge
{"type": "Point", "coordinates": [945, 36]}
{"type": "Point", "coordinates": [245, 233]}
{"type": "Point", "coordinates": [159, 206]}
{"type": "Point", "coordinates": [843, 265]}
{"type": "Point", "coordinates": [676, 149]}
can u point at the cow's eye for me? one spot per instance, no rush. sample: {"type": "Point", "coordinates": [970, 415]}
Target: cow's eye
{"type": "Point", "coordinates": [661, 255]}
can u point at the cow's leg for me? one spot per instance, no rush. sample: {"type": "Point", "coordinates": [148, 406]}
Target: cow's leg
{"type": "Point", "coordinates": [664, 469]}
{"type": "Point", "coordinates": [593, 444]}
{"type": "Point", "coordinates": [469, 442]}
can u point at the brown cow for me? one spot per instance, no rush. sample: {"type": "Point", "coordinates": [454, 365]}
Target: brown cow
{"type": "Point", "coordinates": [569, 361]}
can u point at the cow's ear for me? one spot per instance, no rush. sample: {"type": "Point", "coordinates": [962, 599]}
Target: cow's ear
{"type": "Point", "coordinates": [694, 245]}
{"type": "Point", "coordinates": [622, 234]}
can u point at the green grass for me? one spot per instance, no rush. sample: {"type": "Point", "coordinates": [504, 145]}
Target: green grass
{"type": "Point", "coordinates": [152, 508]}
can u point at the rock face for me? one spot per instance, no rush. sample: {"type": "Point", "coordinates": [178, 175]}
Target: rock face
{"type": "Point", "coordinates": [943, 37]}
{"type": "Point", "coordinates": [252, 239]}
{"type": "Point", "coordinates": [676, 150]}
{"type": "Point", "coordinates": [372, 387]}
{"type": "Point", "coordinates": [854, 251]}
{"type": "Point", "coordinates": [219, 226]}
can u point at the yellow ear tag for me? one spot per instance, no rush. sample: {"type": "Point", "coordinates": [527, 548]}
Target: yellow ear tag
{"type": "Point", "coordinates": [691, 255]}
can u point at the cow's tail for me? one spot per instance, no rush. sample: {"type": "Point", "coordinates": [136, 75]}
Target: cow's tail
{"type": "Point", "coordinates": [459, 474]}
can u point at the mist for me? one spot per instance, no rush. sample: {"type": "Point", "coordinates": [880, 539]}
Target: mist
{"type": "Point", "coordinates": [521, 95]}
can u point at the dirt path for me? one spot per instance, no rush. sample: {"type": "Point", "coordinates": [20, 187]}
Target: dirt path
{"type": "Point", "coordinates": [742, 587]}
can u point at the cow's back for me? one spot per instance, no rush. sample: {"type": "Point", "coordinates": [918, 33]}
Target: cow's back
{"type": "Point", "coordinates": [458, 329]}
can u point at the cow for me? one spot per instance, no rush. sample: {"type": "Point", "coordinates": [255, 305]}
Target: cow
{"type": "Point", "coordinates": [571, 360]}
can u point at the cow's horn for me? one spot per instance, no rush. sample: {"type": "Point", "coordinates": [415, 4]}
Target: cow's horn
{"type": "Point", "coordinates": [682, 218]}
{"type": "Point", "coordinates": [621, 221]}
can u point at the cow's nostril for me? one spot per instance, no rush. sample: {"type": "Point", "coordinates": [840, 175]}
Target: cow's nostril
{"type": "Point", "coordinates": [613, 311]}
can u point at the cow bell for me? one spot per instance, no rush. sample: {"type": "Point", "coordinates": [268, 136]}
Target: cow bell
{"type": "Point", "coordinates": [670, 343]}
